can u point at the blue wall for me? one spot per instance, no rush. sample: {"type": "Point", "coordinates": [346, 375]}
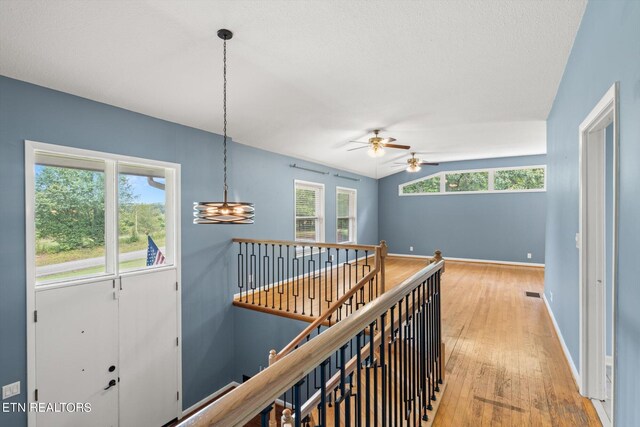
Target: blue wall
{"type": "Point", "coordinates": [40, 114]}
{"type": "Point", "coordinates": [606, 49]}
{"type": "Point", "coordinates": [500, 227]}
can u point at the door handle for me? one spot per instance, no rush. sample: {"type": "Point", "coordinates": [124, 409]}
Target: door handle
{"type": "Point", "coordinates": [112, 383]}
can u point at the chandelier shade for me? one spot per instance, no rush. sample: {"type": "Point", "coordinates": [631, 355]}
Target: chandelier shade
{"type": "Point", "coordinates": [224, 212]}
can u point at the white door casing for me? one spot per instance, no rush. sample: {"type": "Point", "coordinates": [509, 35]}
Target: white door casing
{"type": "Point", "coordinates": [43, 381]}
{"type": "Point", "coordinates": [591, 244]}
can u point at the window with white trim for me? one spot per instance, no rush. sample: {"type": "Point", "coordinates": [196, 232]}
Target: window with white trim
{"type": "Point", "coordinates": [346, 215]}
{"type": "Point", "coordinates": [97, 214]}
{"type": "Point", "coordinates": [309, 211]}
{"type": "Point", "coordinates": [489, 180]}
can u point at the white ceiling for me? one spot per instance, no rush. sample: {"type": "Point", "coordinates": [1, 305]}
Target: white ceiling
{"type": "Point", "coordinates": [457, 79]}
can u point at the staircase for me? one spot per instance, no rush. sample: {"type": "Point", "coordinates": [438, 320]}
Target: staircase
{"type": "Point", "coordinates": [379, 363]}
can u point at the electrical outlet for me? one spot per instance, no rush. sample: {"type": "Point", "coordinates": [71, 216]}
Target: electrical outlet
{"type": "Point", "coordinates": [529, 255]}
{"type": "Point", "coordinates": [551, 295]}
{"type": "Point", "coordinates": [10, 390]}
{"type": "Point", "coordinates": [410, 248]}
{"type": "Point", "coordinates": [251, 279]}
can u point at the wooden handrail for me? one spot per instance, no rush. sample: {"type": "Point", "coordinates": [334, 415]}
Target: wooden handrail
{"type": "Point", "coordinates": [243, 403]}
{"type": "Point", "coordinates": [312, 244]}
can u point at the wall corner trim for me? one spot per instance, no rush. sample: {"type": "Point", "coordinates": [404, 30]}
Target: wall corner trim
{"type": "Point", "coordinates": [565, 349]}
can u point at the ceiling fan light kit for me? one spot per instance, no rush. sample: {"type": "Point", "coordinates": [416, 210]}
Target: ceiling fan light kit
{"type": "Point", "coordinates": [415, 164]}
{"type": "Point", "coordinates": [224, 212]}
{"type": "Point", "coordinates": [377, 145]}
{"type": "Point", "coordinates": [376, 151]}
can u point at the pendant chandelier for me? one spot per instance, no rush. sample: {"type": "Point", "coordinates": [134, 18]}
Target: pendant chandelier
{"type": "Point", "coordinates": [224, 212]}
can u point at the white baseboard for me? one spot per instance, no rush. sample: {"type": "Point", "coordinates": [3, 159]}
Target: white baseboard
{"type": "Point", "coordinates": [567, 355]}
{"type": "Point", "coordinates": [482, 261]}
{"type": "Point", "coordinates": [209, 398]}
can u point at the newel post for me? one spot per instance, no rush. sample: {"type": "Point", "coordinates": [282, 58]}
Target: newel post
{"type": "Point", "coordinates": [287, 419]}
{"type": "Point", "coordinates": [437, 257]}
{"type": "Point", "coordinates": [383, 254]}
{"type": "Point", "coordinates": [272, 415]}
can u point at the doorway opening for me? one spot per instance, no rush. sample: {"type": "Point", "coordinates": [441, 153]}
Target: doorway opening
{"type": "Point", "coordinates": [598, 252]}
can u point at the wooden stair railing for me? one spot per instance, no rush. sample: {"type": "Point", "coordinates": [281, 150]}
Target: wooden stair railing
{"type": "Point", "coordinates": [302, 280]}
{"type": "Point", "coordinates": [381, 365]}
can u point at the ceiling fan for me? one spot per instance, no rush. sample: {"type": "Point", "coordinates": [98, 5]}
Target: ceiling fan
{"type": "Point", "coordinates": [377, 145]}
{"type": "Point", "coordinates": [413, 163]}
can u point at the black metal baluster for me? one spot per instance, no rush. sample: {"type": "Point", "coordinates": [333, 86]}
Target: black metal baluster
{"type": "Point", "coordinates": [246, 271]}
{"type": "Point", "coordinates": [423, 364]}
{"type": "Point", "coordinates": [432, 389]}
{"type": "Point", "coordinates": [356, 267]}
{"type": "Point", "coordinates": [264, 416]}
{"type": "Point", "coordinates": [297, 403]}
{"type": "Point", "coordinates": [359, 379]}
{"type": "Point", "coordinates": [414, 366]}
{"type": "Point", "coordinates": [312, 279]}
{"type": "Point", "coordinates": [303, 278]}
{"type": "Point", "coordinates": [405, 363]}
{"type": "Point", "coordinates": [264, 275]}
{"type": "Point", "coordinates": [240, 276]}
{"type": "Point", "coordinates": [323, 393]}
{"type": "Point", "coordinates": [280, 263]}
{"type": "Point", "coordinates": [258, 274]}
{"type": "Point", "coordinates": [383, 368]}
{"type": "Point", "coordinates": [394, 332]}
{"type": "Point", "coordinates": [273, 276]}
{"type": "Point", "coordinates": [375, 376]}
{"type": "Point", "coordinates": [288, 276]}
{"type": "Point", "coordinates": [252, 273]}
{"type": "Point", "coordinates": [439, 326]}
{"type": "Point", "coordinates": [296, 273]}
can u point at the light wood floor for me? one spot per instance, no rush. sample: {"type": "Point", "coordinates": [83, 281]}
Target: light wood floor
{"type": "Point", "coordinates": [505, 365]}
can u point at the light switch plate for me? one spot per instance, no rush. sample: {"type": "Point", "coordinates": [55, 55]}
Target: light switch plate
{"type": "Point", "coordinates": [10, 390]}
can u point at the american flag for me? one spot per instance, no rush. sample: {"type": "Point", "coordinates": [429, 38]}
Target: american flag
{"type": "Point", "coordinates": [154, 255]}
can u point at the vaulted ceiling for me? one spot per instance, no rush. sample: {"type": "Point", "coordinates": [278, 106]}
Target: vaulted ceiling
{"type": "Point", "coordinates": [454, 79]}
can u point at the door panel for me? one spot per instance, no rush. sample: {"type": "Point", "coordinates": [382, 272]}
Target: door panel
{"type": "Point", "coordinates": [76, 343]}
{"type": "Point", "coordinates": [148, 349]}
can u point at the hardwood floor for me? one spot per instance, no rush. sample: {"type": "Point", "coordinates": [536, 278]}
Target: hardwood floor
{"type": "Point", "coordinates": [505, 365]}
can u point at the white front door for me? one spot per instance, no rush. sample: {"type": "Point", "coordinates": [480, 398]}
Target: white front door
{"type": "Point", "coordinates": [148, 349]}
{"type": "Point", "coordinates": [77, 355]}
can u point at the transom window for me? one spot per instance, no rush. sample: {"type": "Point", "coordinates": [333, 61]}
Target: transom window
{"type": "Point", "coordinates": [491, 180]}
{"type": "Point", "coordinates": [309, 210]}
{"type": "Point", "coordinates": [346, 207]}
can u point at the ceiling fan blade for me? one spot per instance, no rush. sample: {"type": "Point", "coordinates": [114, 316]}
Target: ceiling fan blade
{"type": "Point", "coordinates": [400, 147]}
{"type": "Point", "coordinates": [403, 164]}
{"type": "Point", "coordinates": [428, 164]}
{"type": "Point", "coordinates": [389, 140]}
{"type": "Point", "coordinates": [357, 148]}
{"type": "Point", "coordinates": [359, 142]}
